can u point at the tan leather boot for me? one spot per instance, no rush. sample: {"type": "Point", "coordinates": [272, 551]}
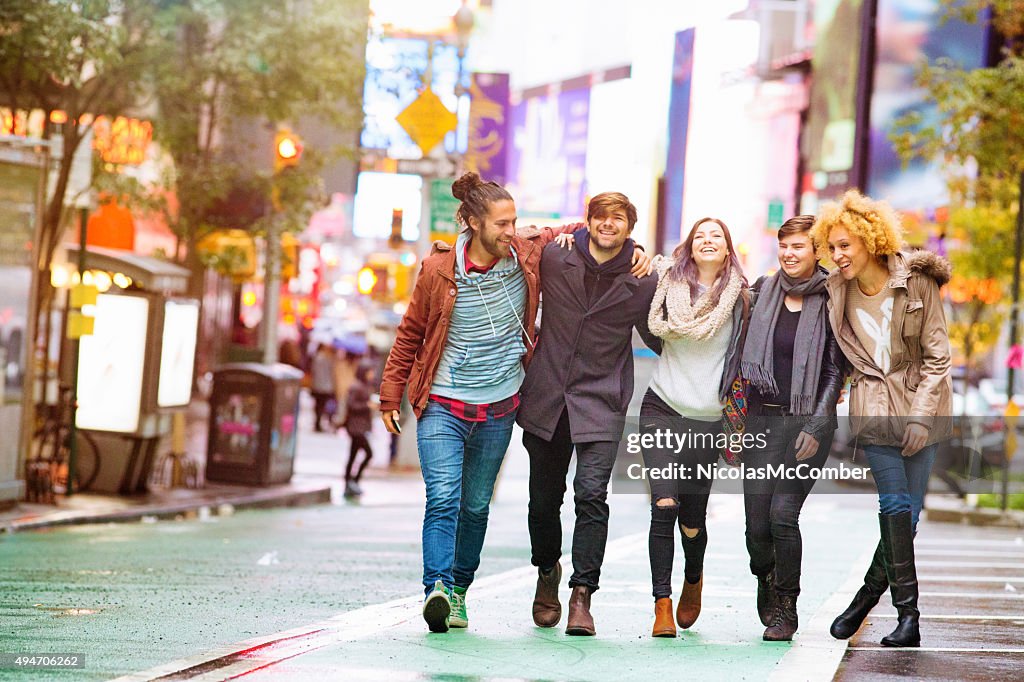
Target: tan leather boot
{"type": "Point", "coordinates": [664, 626]}
{"type": "Point", "coordinates": [689, 603]}
{"type": "Point", "coordinates": [547, 610]}
{"type": "Point", "coordinates": [580, 620]}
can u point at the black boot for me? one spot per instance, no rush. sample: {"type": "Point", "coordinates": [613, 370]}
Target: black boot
{"type": "Point", "coordinates": [898, 538]}
{"type": "Point", "coordinates": [875, 584]}
{"type": "Point", "coordinates": [784, 621]}
{"type": "Point", "coordinates": [766, 597]}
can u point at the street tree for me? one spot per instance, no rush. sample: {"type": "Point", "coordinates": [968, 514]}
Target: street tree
{"type": "Point", "coordinates": [977, 135]}
{"type": "Point", "coordinates": [209, 74]}
{"type": "Point", "coordinates": [224, 69]}
{"type": "Point", "coordinates": [87, 59]}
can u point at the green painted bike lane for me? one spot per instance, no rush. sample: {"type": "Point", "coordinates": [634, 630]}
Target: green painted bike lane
{"type": "Point", "coordinates": [130, 596]}
{"type": "Point", "coordinates": [502, 643]}
{"type": "Point", "coordinates": [135, 596]}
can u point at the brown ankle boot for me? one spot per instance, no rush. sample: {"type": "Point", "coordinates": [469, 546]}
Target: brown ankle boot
{"type": "Point", "coordinates": [664, 626]}
{"type": "Point", "coordinates": [547, 610]}
{"type": "Point", "coordinates": [580, 620]}
{"type": "Point", "coordinates": [689, 603]}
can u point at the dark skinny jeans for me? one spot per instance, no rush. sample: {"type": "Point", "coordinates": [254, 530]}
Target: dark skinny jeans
{"type": "Point", "coordinates": [549, 464]}
{"type": "Point", "coordinates": [773, 506]}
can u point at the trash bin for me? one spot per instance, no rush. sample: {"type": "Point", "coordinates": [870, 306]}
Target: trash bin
{"type": "Point", "coordinates": [254, 412]}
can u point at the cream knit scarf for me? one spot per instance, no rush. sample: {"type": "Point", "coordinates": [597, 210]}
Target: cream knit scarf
{"type": "Point", "coordinates": [699, 320]}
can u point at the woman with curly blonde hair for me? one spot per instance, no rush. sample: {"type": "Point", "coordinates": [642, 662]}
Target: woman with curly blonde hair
{"type": "Point", "coordinates": [886, 313]}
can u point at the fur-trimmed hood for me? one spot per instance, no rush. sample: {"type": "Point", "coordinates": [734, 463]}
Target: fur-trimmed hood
{"type": "Point", "coordinates": [928, 264]}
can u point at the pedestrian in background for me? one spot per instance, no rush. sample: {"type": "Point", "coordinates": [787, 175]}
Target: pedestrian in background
{"type": "Point", "coordinates": [699, 311]}
{"type": "Point", "coordinates": [887, 315]}
{"type": "Point", "coordinates": [795, 372]}
{"type": "Point", "coordinates": [460, 350]}
{"type": "Point", "coordinates": [321, 383]}
{"type": "Point", "coordinates": [345, 368]}
{"type": "Point", "coordinates": [359, 426]}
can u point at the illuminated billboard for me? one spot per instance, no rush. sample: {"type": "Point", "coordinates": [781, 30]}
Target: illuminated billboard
{"type": "Point", "coordinates": [177, 353]}
{"type": "Point", "coordinates": [909, 32]}
{"type": "Point", "coordinates": [830, 134]}
{"type": "Point", "coordinates": [111, 365]}
{"type": "Point", "coordinates": [395, 72]}
{"type": "Point", "coordinates": [547, 160]}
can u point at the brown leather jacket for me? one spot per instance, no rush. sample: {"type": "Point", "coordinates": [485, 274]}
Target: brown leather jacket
{"type": "Point", "coordinates": [917, 388]}
{"type": "Point", "coordinates": [423, 332]}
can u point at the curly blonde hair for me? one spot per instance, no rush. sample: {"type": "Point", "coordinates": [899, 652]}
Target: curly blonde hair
{"type": "Point", "coordinates": [873, 221]}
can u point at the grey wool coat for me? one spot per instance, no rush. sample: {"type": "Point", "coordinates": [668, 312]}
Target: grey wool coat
{"type": "Point", "coordinates": [584, 357]}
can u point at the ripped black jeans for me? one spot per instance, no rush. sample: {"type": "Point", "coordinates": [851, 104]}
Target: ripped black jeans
{"type": "Point", "coordinates": [688, 487]}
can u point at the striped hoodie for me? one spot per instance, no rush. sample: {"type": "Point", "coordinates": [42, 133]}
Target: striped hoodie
{"type": "Point", "coordinates": [481, 362]}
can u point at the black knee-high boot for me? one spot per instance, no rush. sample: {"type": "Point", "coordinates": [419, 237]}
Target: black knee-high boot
{"type": "Point", "coordinates": [898, 538]}
{"type": "Point", "coordinates": [875, 584]}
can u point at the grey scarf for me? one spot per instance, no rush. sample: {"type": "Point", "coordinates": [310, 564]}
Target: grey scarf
{"type": "Point", "coordinates": [808, 347]}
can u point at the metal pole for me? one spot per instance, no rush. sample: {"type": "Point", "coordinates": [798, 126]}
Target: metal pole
{"type": "Point", "coordinates": [1018, 255]}
{"type": "Point", "coordinates": [83, 216]}
{"type": "Point", "coordinates": [271, 293]}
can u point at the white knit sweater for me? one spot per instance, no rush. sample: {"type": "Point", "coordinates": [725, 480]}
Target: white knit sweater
{"type": "Point", "coordinates": [689, 372]}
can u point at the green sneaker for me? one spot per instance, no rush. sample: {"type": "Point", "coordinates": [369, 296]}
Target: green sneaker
{"type": "Point", "coordinates": [437, 607]}
{"type": "Point", "coordinates": [458, 619]}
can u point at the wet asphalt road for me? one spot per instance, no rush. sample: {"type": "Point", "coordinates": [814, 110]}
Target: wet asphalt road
{"type": "Point", "coordinates": [972, 604]}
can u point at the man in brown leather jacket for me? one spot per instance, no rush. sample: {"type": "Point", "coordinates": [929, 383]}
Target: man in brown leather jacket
{"type": "Point", "coordinates": [460, 351]}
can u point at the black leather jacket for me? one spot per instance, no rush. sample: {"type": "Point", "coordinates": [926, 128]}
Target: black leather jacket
{"type": "Point", "coordinates": [833, 375]}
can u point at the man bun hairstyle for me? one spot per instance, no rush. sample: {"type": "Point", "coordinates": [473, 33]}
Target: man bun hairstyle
{"type": "Point", "coordinates": [476, 197]}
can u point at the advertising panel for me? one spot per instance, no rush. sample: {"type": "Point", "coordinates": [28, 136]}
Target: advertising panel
{"type": "Point", "coordinates": [18, 216]}
{"type": "Point", "coordinates": [678, 127]}
{"type": "Point", "coordinates": [548, 159]}
{"type": "Point", "coordinates": [488, 126]}
{"type": "Point", "coordinates": [830, 134]}
{"type": "Point", "coordinates": [177, 353]}
{"type": "Point", "coordinates": [111, 365]}
{"type": "Point", "coordinates": [908, 33]}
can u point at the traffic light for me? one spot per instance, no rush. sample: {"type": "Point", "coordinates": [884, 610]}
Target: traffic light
{"type": "Point", "coordinates": [374, 280]}
{"type": "Point", "coordinates": [287, 149]}
{"type": "Point", "coordinates": [395, 240]}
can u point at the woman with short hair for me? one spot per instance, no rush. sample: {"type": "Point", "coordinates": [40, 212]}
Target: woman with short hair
{"type": "Point", "coordinates": [795, 370]}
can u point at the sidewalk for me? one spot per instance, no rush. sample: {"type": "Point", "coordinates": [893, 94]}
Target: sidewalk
{"type": "Point", "coordinates": [319, 468]}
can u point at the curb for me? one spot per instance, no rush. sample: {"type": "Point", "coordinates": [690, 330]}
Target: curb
{"type": "Point", "coordinates": [267, 499]}
{"type": "Point", "coordinates": [976, 516]}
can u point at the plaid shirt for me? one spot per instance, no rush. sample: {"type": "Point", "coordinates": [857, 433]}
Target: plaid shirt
{"type": "Point", "coordinates": [478, 413]}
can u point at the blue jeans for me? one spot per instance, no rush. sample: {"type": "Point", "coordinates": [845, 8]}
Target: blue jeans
{"type": "Point", "coordinates": [460, 462]}
{"type": "Point", "coordinates": [901, 481]}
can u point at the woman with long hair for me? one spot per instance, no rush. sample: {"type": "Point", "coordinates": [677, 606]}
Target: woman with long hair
{"type": "Point", "coordinates": [886, 313]}
{"type": "Point", "coordinates": [698, 312]}
{"type": "Point", "coordinates": [795, 370]}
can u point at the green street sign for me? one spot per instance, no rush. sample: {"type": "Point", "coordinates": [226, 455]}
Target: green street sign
{"type": "Point", "coordinates": [775, 214]}
{"type": "Point", "coordinates": [442, 210]}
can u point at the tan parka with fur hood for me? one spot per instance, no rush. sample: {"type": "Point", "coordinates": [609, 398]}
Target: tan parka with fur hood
{"type": "Point", "coordinates": [917, 388]}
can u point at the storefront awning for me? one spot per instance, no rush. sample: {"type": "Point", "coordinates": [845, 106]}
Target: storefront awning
{"type": "Point", "coordinates": [151, 274]}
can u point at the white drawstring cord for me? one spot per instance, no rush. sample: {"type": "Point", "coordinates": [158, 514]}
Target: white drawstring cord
{"type": "Point", "coordinates": [483, 299]}
{"type": "Point", "coordinates": [513, 308]}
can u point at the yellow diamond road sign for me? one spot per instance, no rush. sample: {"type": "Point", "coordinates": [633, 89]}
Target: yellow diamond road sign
{"type": "Point", "coordinates": [427, 120]}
